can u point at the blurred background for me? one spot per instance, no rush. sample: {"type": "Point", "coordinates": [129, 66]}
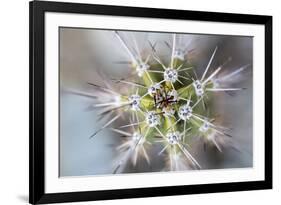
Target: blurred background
{"type": "Point", "coordinates": [87, 54]}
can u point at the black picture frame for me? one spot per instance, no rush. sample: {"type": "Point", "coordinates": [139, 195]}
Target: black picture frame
{"type": "Point", "coordinates": [37, 9]}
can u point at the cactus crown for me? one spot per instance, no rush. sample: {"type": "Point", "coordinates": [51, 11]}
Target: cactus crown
{"type": "Point", "coordinates": [168, 104]}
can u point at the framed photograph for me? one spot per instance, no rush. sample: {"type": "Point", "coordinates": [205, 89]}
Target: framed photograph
{"type": "Point", "coordinates": [140, 102]}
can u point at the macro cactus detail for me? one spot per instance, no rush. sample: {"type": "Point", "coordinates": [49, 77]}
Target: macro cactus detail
{"type": "Point", "coordinates": [167, 104]}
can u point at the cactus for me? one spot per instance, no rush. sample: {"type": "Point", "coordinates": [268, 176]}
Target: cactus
{"type": "Point", "coordinates": [167, 103]}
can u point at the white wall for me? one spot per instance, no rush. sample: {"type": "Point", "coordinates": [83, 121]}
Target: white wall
{"type": "Point", "coordinates": [14, 100]}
